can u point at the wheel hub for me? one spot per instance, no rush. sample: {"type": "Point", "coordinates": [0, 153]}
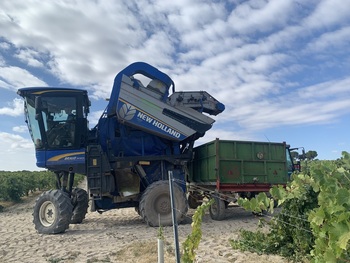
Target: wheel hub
{"type": "Point", "coordinates": [47, 214]}
{"type": "Point", "coordinates": [163, 205]}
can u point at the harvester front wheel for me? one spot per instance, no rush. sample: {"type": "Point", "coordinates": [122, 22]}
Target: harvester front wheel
{"type": "Point", "coordinates": [217, 209]}
{"type": "Point", "coordinates": [52, 212]}
{"type": "Point", "coordinates": [80, 201]}
{"type": "Point", "coordinates": [155, 204]}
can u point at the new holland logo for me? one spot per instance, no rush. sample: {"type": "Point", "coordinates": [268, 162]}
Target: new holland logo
{"type": "Point", "coordinates": [127, 112]}
{"type": "Point", "coordinates": [148, 122]}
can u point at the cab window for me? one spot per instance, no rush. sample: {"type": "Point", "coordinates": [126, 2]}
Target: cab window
{"type": "Point", "coordinates": [59, 114]}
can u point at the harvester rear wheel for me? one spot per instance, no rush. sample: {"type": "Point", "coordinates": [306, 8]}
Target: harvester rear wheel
{"type": "Point", "coordinates": [155, 204]}
{"type": "Point", "coordinates": [80, 201]}
{"type": "Point", "coordinates": [52, 212]}
{"type": "Point", "coordinates": [217, 209]}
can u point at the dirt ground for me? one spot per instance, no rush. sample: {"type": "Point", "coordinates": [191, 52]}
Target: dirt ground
{"type": "Point", "coordinates": [119, 236]}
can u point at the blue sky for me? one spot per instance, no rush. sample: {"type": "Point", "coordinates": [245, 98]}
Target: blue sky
{"type": "Point", "coordinates": [280, 67]}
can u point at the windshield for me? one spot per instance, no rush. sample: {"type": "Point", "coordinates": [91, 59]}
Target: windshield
{"type": "Point", "coordinates": [59, 120]}
{"type": "Point", "coordinates": [289, 161]}
{"type": "Point", "coordinates": [57, 115]}
{"type": "Point", "coordinates": [33, 124]}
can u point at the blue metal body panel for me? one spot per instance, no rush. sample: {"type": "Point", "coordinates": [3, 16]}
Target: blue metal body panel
{"type": "Point", "coordinates": [130, 142]}
{"type": "Point", "coordinates": [51, 158]}
{"type": "Point", "coordinates": [137, 117]}
{"type": "Point", "coordinates": [136, 68]}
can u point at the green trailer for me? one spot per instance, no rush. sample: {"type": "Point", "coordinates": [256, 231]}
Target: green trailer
{"type": "Point", "coordinates": [225, 169]}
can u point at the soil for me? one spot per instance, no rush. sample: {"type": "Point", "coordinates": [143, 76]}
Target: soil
{"type": "Point", "coordinates": [120, 236]}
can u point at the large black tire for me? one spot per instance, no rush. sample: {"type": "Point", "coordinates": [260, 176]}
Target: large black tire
{"type": "Point", "coordinates": [217, 209]}
{"type": "Point", "coordinates": [80, 201]}
{"type": "Point", "coordinates": [52, 212]}
{"type": "Point", "coordinates": [155, 204]}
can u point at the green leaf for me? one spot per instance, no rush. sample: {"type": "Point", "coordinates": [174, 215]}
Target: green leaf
{"type": "Point", "coordinates": [336, 231]}
{"type": "Point", "coordinates": [344, 240]}
{"type": "Point", "coordinates": [254, 205]}
{"type": "Point", "coordinates": [329, 256]}
{"type": "Point", "coordinates": [335, 209]}
{"type": "Point", "coordinates": [278, 192]}
{"type": "Point", "coordinates": [317, 216]}
{"type": "Point", "coordinates": [343, 196]}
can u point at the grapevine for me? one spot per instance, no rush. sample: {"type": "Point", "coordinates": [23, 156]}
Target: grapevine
{"type": "Point", "coordinates": [192, 241]}
{"type": "Point", "coordinates": [314, 222]}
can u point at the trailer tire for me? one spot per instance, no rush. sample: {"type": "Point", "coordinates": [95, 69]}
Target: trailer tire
{"type": "Point", "coordinates": [80, 201]}
{"type": "Point", "coordinates": [52, 212]}
{"type": "Point", "coordinates": [156, 201]}
{"type": "Point", "coordinates": [217, 209]}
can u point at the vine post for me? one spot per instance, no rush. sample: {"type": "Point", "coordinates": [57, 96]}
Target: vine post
{"type": "Point", "coordinates": [173, 210]}
{"type": "Point", "coordinates": [160, 242]}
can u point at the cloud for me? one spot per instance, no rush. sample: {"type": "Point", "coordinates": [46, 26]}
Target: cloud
{"type": "Point", "coordinates": [2, 61]}
{"type": "Point", "coordinates": [15, 77]}
{"type": "Point", "coordinates": [261, 16]}
{"type": "Point", "coordinates": [254, 111]}
{"type": "Point", "coordinates": [286, 112]}
{"type": "Point", "coordinates": [30, 57]}
{"type": "Point", "coordinates": [81, 47]}
{"type": "Point", "coordinates": [20, 129]}
{"type": "Point", "coordinates": [254, 56]}
{"type": "Point", "coordinates": [157, 43]}
{"type": "Point", "coordinates": [228, 134]}
{"type": "Point", "coordinates": [336, 41]}
{"type": "Point", "coordinates": [14, 109]}
{"type": "Point", "coordinates": [94, 117]}
{"type": "Point", "coordinates": [13, 142]}
{"type": "Point", "coordinates": [339, 88]}
{"type": "Point", "coordinates": [328, 13]}
{"type": "Point", "coordinates": [5, 46]}
{"type": "Point", "coordinates": [5, 85]}
{"type": "Point", "coordinates": [17, 153]}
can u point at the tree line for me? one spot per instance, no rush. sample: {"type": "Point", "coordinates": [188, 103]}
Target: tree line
{"type": "Point", "coordinates": [14, 185]}
{"type": "Point", "coordinates": [309, 155]}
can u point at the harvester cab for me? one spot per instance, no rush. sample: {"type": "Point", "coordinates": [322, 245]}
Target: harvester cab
{"type": "Point", "coordinates": [57, 122]}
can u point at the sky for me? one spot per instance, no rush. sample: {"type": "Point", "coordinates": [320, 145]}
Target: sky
{"type": "Point", "coordinates": [280, 67]}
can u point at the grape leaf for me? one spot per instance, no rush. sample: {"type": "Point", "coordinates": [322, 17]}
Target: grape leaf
{"type": "Point", "coordinates": [344, 240]}
{"type": "Point", "coordinates": [343, 196]}
{"type": "Point", "coordinates": [317, 216]}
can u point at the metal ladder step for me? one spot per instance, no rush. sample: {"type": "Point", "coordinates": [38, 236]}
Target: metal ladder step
{"type": "Point", "coordinates": [94, 171]}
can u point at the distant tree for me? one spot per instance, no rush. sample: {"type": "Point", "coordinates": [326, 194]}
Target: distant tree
{"type": "Point", "coordinates": [296, 156]}
{"type": "Point", "coordinates": [310, 155]}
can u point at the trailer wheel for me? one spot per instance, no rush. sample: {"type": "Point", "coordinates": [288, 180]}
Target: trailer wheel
{"type": "Point", "coordinates": [80, 201]}
{"type": "Point", "coordinates": [155, 204]}
{"type": "Point", "coordinates": [217, 209]}
{"type": "Point", "coordinates": [52, 212]}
